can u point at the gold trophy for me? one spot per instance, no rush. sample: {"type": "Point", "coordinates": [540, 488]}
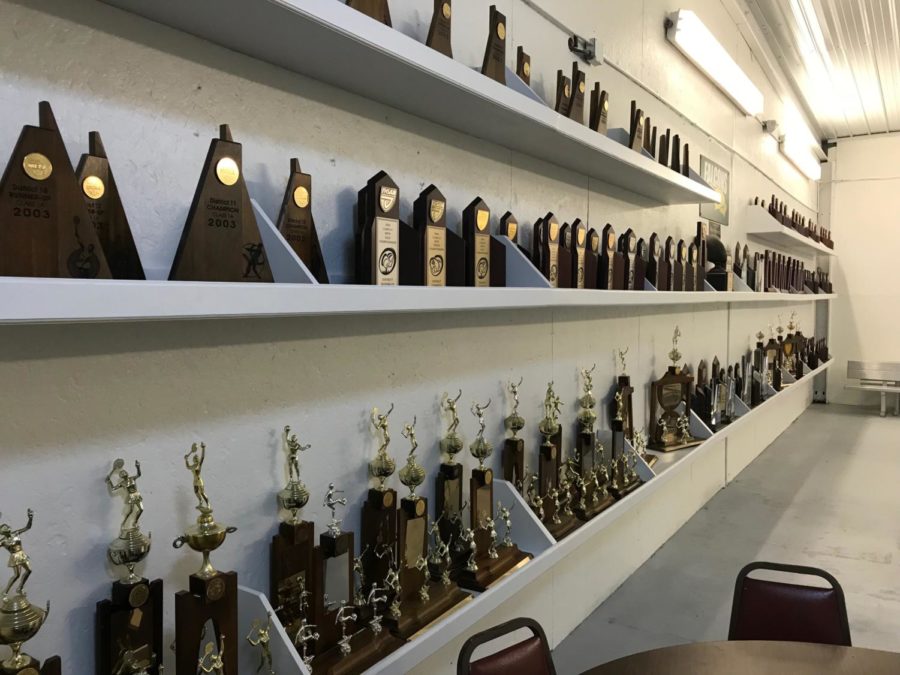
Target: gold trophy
{"type": "Point", "coordinates": [129, 636]}
{"type": "Point", "coordinates": [20, 621]}
{"type": "Point", "coordinates": [213, 594]}
{"type": "Point", "coordinates": [259, 637]}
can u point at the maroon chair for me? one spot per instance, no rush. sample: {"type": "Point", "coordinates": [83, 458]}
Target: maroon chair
{"type": "Point", "coordinates": [528, 657]}
{"type": "Point", "coordinates": [771, 610]}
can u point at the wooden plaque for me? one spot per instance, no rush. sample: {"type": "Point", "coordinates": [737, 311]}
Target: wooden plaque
{"type": "Point", "coordinates": [592, 259]}
{"type": "Point", "coordinates": [98, 187]}
{"type": "Point", "coordinates": [702, 253]}
{"type": "Point", "coordinates": [131, 621]}
{"type": "Point", "coordinates": [579, 250]}
{"type": "Point", "coordinates": [537, 244]}
{"type": "Point", "coordinates": [523, 65]}
{"type": "Point", "coordinates": [675, 151]}
{"type": "Point", "coordinates": [576, 100]}
{"type": "Point", "coordinates": [477, 235]}
{"type": "Point", "coordinates": [498, 263]}
{"type": "Point", "coordinates": [599, 115]}
{"type": "Point", "coordinates": [45, 227]}
{"type": "Point", "coordinates": [494, 64]}
{"type": "Point", "coordinates": [378, 531]}
{"type": "Point", "coordinates": [221, 240]}
{"type": "Point", "coordinates": [664, 142]}
{"type": "Point", "coordinates": [291, 564]}
{"type": "Point", "coordinates": [213, 600]}
{"type": "Point", "coordinates": [379, 236]}
{"type": "Point", "coordinates": [690, 275]}
{"type": "Point", "coordinates": [549, 254]}
{"type": "Point", "coordinates": [377, 9]}
{"type": "Point", "coordinates": [563, 93]}
{"type": "Point", "coordinates": [439, 31]}
{"type": "Point", "coordinates": [686, 161]}
{"type": "Point", "coordinates": [296, 224]}
{"type": "Point", "coordinates": [564, 276]}
{"type": "Point", "coordinates": [628, 251]}
{"type": "Point", "coordinates": [675, 269]}
{"type": "Point", "coordinates": [636, 136]}
{"type": "Point", "coordinates": [612, 263]}
{"type": "Point", "coordinates": [430, 223]}
{"type": "Point", "coordinates": [640, 265]}
{"type": "Point", "coordinates": [655, 257]}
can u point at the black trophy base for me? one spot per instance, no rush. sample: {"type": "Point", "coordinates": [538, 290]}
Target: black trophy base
{"type": "Point", "coordinates": [566, 526]}
{"type": "Point", "coordinates": [679, 445]}
{"type": "Point", "coordinates": [592, 510]}
{"type": "Point", "coordinates": [366, 649]}
{"type": "Point", "coordinates": [490, 571]}
{"type": "Point", "coordinates": [626, 489]}
{"type": "Point", "coordinates": [52, 666]}
{"type": "Point", "coordinates": [416, 616]}
{"type": "Point", "coordinates": [650, 459]}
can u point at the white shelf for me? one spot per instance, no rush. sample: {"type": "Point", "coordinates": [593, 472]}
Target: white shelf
{"type": "Point", "coordinates": [763, 227]}
{"type": "Point", "coordinates": [331, 42]}
{"type": "Point", "coordinates": [451, 627]}
{"type": "Point", "coordinates": [28, 300]}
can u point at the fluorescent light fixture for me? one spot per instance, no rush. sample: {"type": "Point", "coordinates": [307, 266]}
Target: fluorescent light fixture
{"type": "Point", "coordinates": [699, 45]}
{"type": "Point", "coordinates": [801, 156]}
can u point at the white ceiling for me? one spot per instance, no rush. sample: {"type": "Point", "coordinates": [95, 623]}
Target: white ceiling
{"type": "Point", "coordinates": [843, 57]}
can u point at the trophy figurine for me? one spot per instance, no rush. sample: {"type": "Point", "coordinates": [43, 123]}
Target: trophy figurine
{"type": "Point", "coordinates": [213, 594]}
{"type": "Point", "coordinates": [505, 515]}
{"type": "Point", "coordinates": [306, 634]}
{"type": "Point", "coordinates": [451, 444]}
{"type": "Point", "coordinates": [672, 393]}
{"type": "Point", "coordinates": [129, 626]}
{"type": "Point", "coordinates": [412, 475]}
{"type": "Point", "coordinates": [345, 615]}
{"type": "Point", "coordinates": [291, 552]}
{"type": "Point", "coordinates": [626, 479]}
{"type": "Point", "coordinates": [377, 597]}
{"type": "Point", "coordinates": [481, 449]}
{"type": "Point", "coordinates": [382, 467]}
{"type": "Point", "coordinates": [449, 483]}
{"type": "Point", "coordinates": [259, 637]}
{"type": "Point", "coordinates": [513, 457]}
{"type": "Point", "coordinates": [331, 502]}
{"type": "Point", "coordinates": [20, 621]}
{"type": "Point", "coordinates": [212, 661]}
{"type": "Point", "coordinates": [549, 464]}
{"type": "Point", "coordinates": [581, 466]}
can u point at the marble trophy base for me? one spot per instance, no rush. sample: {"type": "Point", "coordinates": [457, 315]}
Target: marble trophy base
{"type": "Point", "coordinates": [416, 615]}
{"type": "Point", "coordinates": [366, 649]}
{"type": "Point", "coordinates": [490, 571]}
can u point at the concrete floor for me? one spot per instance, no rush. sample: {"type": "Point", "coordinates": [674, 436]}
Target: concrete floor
{"type": "Point", "coordinates": [824, 494]}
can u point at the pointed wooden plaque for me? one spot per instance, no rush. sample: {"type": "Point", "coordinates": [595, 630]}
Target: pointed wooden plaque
{"type": "Point", "coordinates": [296, 224]}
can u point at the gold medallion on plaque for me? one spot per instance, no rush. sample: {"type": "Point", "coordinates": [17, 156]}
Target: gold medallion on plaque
{"type": "Point", "coordinates": [387, 198]}
{"type": "Point", "coordinates": [595, 242]}
{"type": "Point", "coordinates": [566, 91]}
{"type": "Point", "coordinates": [606, 105]}
{"type": "Point", "coordinates": [511, 230]}
{"type": "Point", "coordinates": [446, 10]}
{"type": "Point", "coordinates": [420, 507]}
{"type": "Point", "coordinates": [37, 166]}
{"type": "Point", "coordinates": [501, 31]}
{"type": "Point", "coordinates": [482, 218]}
{"type": "Point", "coordinates": [488, 477]}
{"type": "Point", "coordinates": [581, 237]}
{"type": "Point", "coordinates": [301, 197]}
{"type": "Point", "coordinates": [526, 68]}
{"type": "Point", "coordinates": [610, 241]}
{"type": "Point", "coordinates": [641, 121]}
{"type": "Point", "coordinates": [227, 171]}
{"type": "Point", "coordinates": [215, 589]}
{"type": "Point", "coordinates": [554, 231]}
{"type": "Point", "coordinates": [139, 595]}
{"type": "Point", "coordinates": [581, 87]}
{"type": "Point", "coordinates": [93, 187]}
{"type": "Point", "coordinates": [436, 210]}
{"type": "Point", "coordinates": [387, 499]}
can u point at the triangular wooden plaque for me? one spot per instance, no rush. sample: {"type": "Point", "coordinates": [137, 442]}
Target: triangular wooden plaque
{"type": "Point", "coordinates": [296, 224]}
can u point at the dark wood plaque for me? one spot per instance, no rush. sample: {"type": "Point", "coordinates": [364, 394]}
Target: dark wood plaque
{"type": "Point", "coordinates": [655, 273]}
{"type": "Point", "coordinates": [592, 259]}
{"type": "Point", "coordinates": [378, 532]}
{"type": "Point", "coordinates": [599, 117]}
{"type": "Point", "coordinates": [686, 161]}
{"type": "Point", "coordinates": [564, 276]}
{"type": "Point", "coordinates": [579, 250]}
{"type": "Point", "coordinates": [563, 93]}
{"type": "Point", "coordinates": [377, 9]}
{"type": "Point", "coordinates": [690, 274]}
{"type": "Point", "coordinates": [45, 227]}
{"type": "Point", "coordinates": [449, 505]}
{"type": "Point", "coordinates": [636, 136]}
{"type": "Point", "coordinates": [612, 263]}
{"type": "Point", "coordinates": [379, 234]}
{"type": "Point", "coordinates": [130, 623]}
{"type": "Point", "coordinates": [494, 64]}
{"type": "Point", "coordinates": [104, 205]}
{"type": "Point", "coordinates": [665, 141]}
{"type": "Point", "coordinates": [440, 29]}
{"type": "Point", "coordinates": [221, 240]}
{"type": "Point", "coordinates": [702, 253]}
{"type": "Point", "coordinates": [675, 151]}
{"type": "Point", "coordinates": [549, 253]}
{"type": "Point", "coordinates": [215, 600]}
{"type": "Point", "coordinates": [498, 263]}
{"type": "Point", "coordinates": [640, 265]}
{"type": "Point", "coordinates": [523, 65]}
{"type": "Point", "coordinates": [628, 251]}
{"type": "Point", "coordinates": [430, 222]}
{"type": "Point", "coordinates": [676, 271]}
{"type": "Point", "coordinates": [296, 224]}
{"type": "Point", "coordinates": [576, 100]}
{"type": "Point", "coordinates": [477, 235]}
{"type": "Point", "coordinates": [670, 396]}
{"type": "Point", "coordinates": [291, 562]}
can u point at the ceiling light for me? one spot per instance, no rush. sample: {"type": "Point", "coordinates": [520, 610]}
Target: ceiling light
{"type": "Point", "coordinates": [699, 45]}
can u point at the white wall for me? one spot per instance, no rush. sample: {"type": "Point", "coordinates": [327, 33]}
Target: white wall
{"type": "Point", "coordinates": [863, 198]}
{"type": "Point", "coordinates": [76, 396]}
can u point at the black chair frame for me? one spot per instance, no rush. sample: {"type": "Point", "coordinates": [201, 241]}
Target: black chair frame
{"type": "Point", "coordinates": [495, 632]}
{"type": "Point", "coordinates": [792, 569]}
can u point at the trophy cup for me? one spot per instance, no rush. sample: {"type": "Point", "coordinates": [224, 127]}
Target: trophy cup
{"type": "Point", "coordinates": [449, 492]}
{"type": "Point", "coordinates": [513, 456]}
{"type": "Point", "coordinates": [670, 427]}
{"type": "Point", "coordinates": [296, 224]}
{"type": "Point", "coordinates": [129, 626]}
{"type": "Point", "coordinates": [379, 513]}
{"type": "Point", "coordinates": [20, 621]}
{"type": "Point", "coordinates": [291, 554]}
{"type": "Point", "coordinates": [419, 601]}
{"type": "Point", "coordinates": [259, 637]}
{"type": "Point", "coordinates": [221, 240]}
{"type": "Point", "coordinates": [212, 595]}
{"type": "Point", "coordinates": [485, 564]}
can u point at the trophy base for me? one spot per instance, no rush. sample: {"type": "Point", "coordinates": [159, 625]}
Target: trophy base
{"type": "Point", "coordinates": [52, 666]}
{"type": "Point", "coordinates": [594, 510]}
{"type": "Point", "coordinates": [564, 528]}
{"type": "Point", "coordinates": [490, 570]}
{"type": "Point", "coordinates": [650, 459]}
{"type": "Point", "coordinates": [661, 447]}
{"type": "Point", "coordinates": [416, 615]}
{"type": "Point", "coordinates": [366, 649]}
{"type": "Point", "coordinates": [621, 492]}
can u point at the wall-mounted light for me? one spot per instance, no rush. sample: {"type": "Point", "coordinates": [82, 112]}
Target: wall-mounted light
{"type": "Point", "coordinates": [699, 45]}
{"type": "Point", "coordinates": [800, 155]}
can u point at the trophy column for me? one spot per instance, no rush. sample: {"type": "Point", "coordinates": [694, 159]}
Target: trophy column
{"type": "Point", "coordinates": [553, 485]}
{"type": "Point", "coordinates": [513, 456]}
{"type": "Point", "coordinates": [129, 631]}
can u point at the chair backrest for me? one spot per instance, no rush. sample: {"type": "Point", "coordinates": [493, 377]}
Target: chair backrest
{"type": "Point", "coordinates": [771, 610]}
{"type": "Point", "coordinates": [882, 371]}
{"type": "Point", "coordinates": [530, 656]}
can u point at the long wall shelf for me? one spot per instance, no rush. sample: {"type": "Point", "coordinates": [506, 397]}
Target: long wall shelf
{"type": "Point", "coordinates": [26, 300]}
{"type": "Point", "coordinates": [763, 227]}
{"type": "Point", "coordinates": [336, 44]}
{"type": "Point", "coordinates": [446, 630]}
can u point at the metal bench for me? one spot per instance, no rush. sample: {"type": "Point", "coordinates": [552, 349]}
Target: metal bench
{"type": "Point", "coordinates": [880, 376]}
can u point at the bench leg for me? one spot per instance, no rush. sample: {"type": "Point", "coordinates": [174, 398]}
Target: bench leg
{"type": "Point", "coordinates": [883, 403]}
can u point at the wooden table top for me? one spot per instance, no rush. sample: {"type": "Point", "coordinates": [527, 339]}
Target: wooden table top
{"type": "Point", "coordinates": [754, 658]}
